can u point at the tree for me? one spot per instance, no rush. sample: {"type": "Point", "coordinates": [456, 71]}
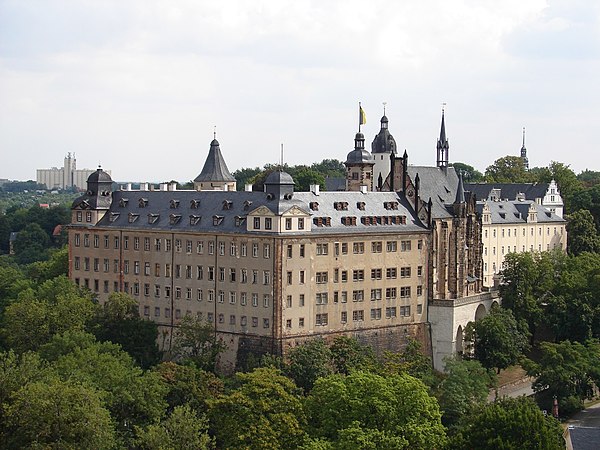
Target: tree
{"type": "Point", "coordinates": [589, 178]}
{"type": "Point", "coordinates": [412, 361]}
{"type": "Point", "coordinates": [264, 412]}
{"type": "Point", "coordinates": [244, 176]}
{"type": "Point", "coordinates": [508, 169]}
{"type": "Point", "coordinates": [182, 430]}
{"type": "Point", "coordinates": [132, 396]}
{"type": "Point", "coordinates": [57, 265]}
{"type": "Point", "coordinates": [330, 168]}
{"type": "Point", "coordinates": [197, 342]}
{"type": "Point", "coordinates": [464, 389]}
{"type": "Point", "coordinates": [510, 424]}
{"type": "Point", "coordinates": [498, 339]}
{"type": "Point", "coordinates": [189, 385]}
{"type": "Point", "coordinates": [582, 233]}
{"type": "Point", "coordinates": [469, 173]}
{"type": "Point", "coordinates": [308, 362]}
{"type": "Point", "coordinates": [118, 321]}
{"type": "Point", "coordinates": [527, 280]}
{"type": "Point", "coordinates": [54, 307]}
{"type": "Point", "coordinates": [348, 354]}
{"type": "Point", "coordinates": [391, 412]}
{"type": "Point", "coordinates": [31, 244]}
{"type": "Point", "coordinates": [305, 177]}
{"type": "Point", "coordinates": [564, 370]}
{"type": "Point", "coordinates": [58, 414]}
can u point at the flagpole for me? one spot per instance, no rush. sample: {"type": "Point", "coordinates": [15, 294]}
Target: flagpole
{"type": "Point", "coordinates": [359, 116]}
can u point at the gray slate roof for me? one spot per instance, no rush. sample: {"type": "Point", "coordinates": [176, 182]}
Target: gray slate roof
{"type": "Point", "coordinates": [508, 191]}
{"type": "Point", "coordinates": [514, 211]}
{"type": "Point", "coordinates": [438, 184]}
{"type": "Point", "coordinates": [211, 203]}
{"type": "Point", "coordinates": [335, 184]}
{"type": "Point", "coordinates": [585, 438]}
{"type": "Point", "coordinates": [214, 168]}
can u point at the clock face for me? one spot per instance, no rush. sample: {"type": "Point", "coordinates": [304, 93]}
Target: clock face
{"type": "Point", "coordinates": [410, 193]}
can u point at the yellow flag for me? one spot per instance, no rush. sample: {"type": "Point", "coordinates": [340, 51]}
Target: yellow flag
{"type": "Point", "coordinates": [362, 117]}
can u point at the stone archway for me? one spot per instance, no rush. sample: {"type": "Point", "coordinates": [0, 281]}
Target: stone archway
{"type": "Point", "coordinates": [495, 304]}
{"type": "Point", "coordinates": [481, 312]}
{"type": "Point", "coordinates": [459, 340]}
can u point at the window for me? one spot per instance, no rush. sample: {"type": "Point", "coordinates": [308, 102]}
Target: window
{"type": "Point", "coordinates": [390, 293]}
{"type": "Point", "coordinates": [221, 298]}
{"type": "Point", "coordinates": [358, 275]}
{"type": "Point", "coordinates": [136, 243]}
{"type": "Point", "coordinates": [390, 312]}
{"type": "Point", "coordinates": [321, 320]}
{"type": "Point", "coordinates": [289, 251]}
{"type": "Point", "coordinates": [211, 273]}
{"type": "Point", "coordinates": [376, 274]}
{"type": "Point", "coordinates": [344, 317]}
{"type": "Point", "coordinates": [221, 248]}
{"type": "Point", "coordinates": [266, 277]}
{"type": "Point", "coordinates": [301, 250]}
{"type": "Point", "coordinates": [211, 247]}
{"type": "Point", "coordinates": [358, 316]}
{"type": "Point", "coordinates": [211, 295]}
{"type": "Point", "coordinates": [77, 239]}
{"type": "Point", "coordinates": [77, 262]}
{"type": "Point", "coordinates": [255, 300]}
{"type": "Point", "coordinates": [301, 227]}
{"type": "Point", "coordinates": [232, 297]}
{"type": "Point", "coordinates": [375, 294]}
{"type": "Point", "coordinates": [288, 301]}
{"type": "Point", "coordinates": [419, 308]}
{"type": "Point", "coordinates": [358, 247]}
{"type": "Point", "coordinates": [147, 269]}
{"type": "Point", "coordinates": [391, 273]}
{"type": "Point", "coordinates": [405, 311]}
{"type": "Point", "coordinates": [268, 223]}
{"type": "Point", "coordinates": [288, 226]}
{"type": "Point", "coordinates": [244, 249]}
{"type": "Point", "coordinates": [199, 272]}
{"type": "Point", "coordinates": [322, 249]}
{"type": "Point", "coordinates": [199, 247]}
{"type": "Point", "coordinates": [244, 276]}
{"type": "Point", "coordinates": [391, 246]}
{"type": "Point", "coordinates": [136, 268]}
{"type": "Point", "coordinates": [147, 244]}
{"type": "Point", "coordinates": [405, 291]}
{"type": "Point", "coordinates": [376, 247]}
{"type": "Point", "coordinates": [96, 241]}
{"type": "Point", "coordinates": [266, 251]}
{"type": "Point", "coordinates": [178, 292]}
{"type": "Point", "coordinates": [199, 295]}
{"type": "Point", "coordinates": [257, 223]}
{"type": "Point", "coordinates": [232, 275]}
{"type": "Point", "coordinates": [405, 272]}
{"type": "Point", "coordinates": [419, 291]}
{"type": "Point", "coordinates": [321, 298]}
{"type": "Point", "coordinates": [243, 298]}
{"type": "Point", "coordinates": [344, 276]}
{"type": "Point", "coordinates": [358, 296]}
{"type": "Point", "coordinates": [405, 246]}
{"type": "Point", "coordinates": [254, 276]}
{"type": "Point", "coordinates": [266, 300]}
{"type": "Point", "coordinates": [168, 291]}
{"type": "Point", "coordinates": [375, 313]}
{"type": "Point", "coordinates": [302, 277]}
{"type": "Point", "coordinates": [344, 248]}
{"type": "Point", "coordinates": [301, 300]}
{"type": "Point", "coordinates": [221, 273]}
{"type": "Point", "coordinates": [86, 240]}
{"type": "Point", "coordinates": [321, 277]}
{"type": "Point", "coordinates": [244, 321]}
{"type": "Point", "coordinates": [255, 250]}
{"type": "Point", "coordinates": [288, 323]}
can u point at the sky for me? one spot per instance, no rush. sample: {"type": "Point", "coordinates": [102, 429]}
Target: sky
{"type": "Point", "coordinates": [139, 86]}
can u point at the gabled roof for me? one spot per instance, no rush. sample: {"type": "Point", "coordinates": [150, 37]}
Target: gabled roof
{"type": "Point", "coordinates": [515, 211]}
{"type": "Point", "coordinates": [508, 191]}
{"type": "Point", "coordinates": [214, 168]}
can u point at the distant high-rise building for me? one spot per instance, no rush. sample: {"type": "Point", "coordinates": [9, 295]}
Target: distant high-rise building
{"type": "Point", "coordinates": [65, 177]}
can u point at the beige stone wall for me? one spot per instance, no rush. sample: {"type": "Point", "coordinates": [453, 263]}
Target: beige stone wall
{"type": "Point", "coordinates": [501, 239]}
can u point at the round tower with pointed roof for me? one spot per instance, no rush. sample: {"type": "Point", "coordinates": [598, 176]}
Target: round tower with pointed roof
{"type": "Point", "coordinates": [382, 147]}
{"type": "Point", "coordinates": [359, 166]}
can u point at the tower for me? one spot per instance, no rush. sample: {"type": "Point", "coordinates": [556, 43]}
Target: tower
{"type": "Point", "coordinates": [215, 175]}
{"type": "Point", "coordinates": [359, 166]}
{"type": "Point", "coordinates": [442, 146]}
{"type": "Point", "coordinates": [382, 147]}
{"type": "Point", "coordinates": [93, 205]}
{"type": "Point", "coordinates": [524, 152]}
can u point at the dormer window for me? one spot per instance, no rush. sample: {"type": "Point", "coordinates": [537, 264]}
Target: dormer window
{"type": "Point", "coordinates": [194, 220]}
{"type": "Point", "coordinates": [132, 217]}
{"type": "Point", "coordinates": [400, 220]}
{"type": "Point", "coordinates": [123, 202]}
{"type": "Point", "coordinates": [153, 218]}
{"type": "Point", "coordinates": [257, 223]}
{"type": "Point", "coordinates": [174, 219]}
{"type": "Point", "coordinates": [217, 220]}
{"type": "Point", "coordinates": [240, 220]}
{"type": "Point", "coordinates": [349, 221]}
{"type": "Point", "coordinates": [194, 204]}
{"type": "Point", "coordinates": [340, 206]}
{"type": "Point", "coordinates": [143, 202]}
{"type": "Point", "coordinates": [322, 221]}
{"type": "Point", "coordinates": [174, 204]}
{"type": "Point", "coordinates": [227, 204]}
{"type": "Point", "coordinates": [503, 215]}
{"type": "Point", "coordinates": [247, 205]}
{"type": "Point", "coordinates": [268, 223]}
{"type": "Point", "coordinates": [113, 216]}
{"type": "Point", "coordinates": [360, 206]}
{"type": "Point", "coordinates": [85, 204]}
{"type": "Point", "coordinates": [390, 205]}
{"type": "Point", "coordinates": [314, 206]}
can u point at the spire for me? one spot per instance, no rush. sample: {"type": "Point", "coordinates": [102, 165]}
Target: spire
{"type": "Point", "coordinates": [214, 168]}
{"type": "Point", "coordinates": [460, 190]}
{"type": "Point", "coordinates": [524, 152]}
{"type": "Point", "coordinates": [442, 143]}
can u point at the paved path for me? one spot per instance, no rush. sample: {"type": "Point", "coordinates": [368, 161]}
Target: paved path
{"type": "Point", "coordinates": [589, 417]}
{"type": "Point", "coordinates": [516, 389]}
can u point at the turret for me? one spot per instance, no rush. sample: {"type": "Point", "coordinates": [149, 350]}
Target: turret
{"type": "Point", "coordinates": [442, 146]}
{"type": "Point", "coordinates": [215, 175]}
{"type": "Point", "coordinates": [359, 164]}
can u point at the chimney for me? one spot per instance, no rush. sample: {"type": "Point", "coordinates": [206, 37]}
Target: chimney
{"type": "Point", "coordinates": [315, 189]}
{"type": "Point", "coordinates": [143, 186]}
{"type": "Point", "coordinates": [363, 189]}
{"type": "Point", "coordinates": [128, 187]}
{"type": "Point", "coordinates": [173, 186]}
{"type": "Point", "coordinates": [225, 187]}
{"type": "Point", "coordinates": [163, 186]}
{"type": "Point", "coordinates": [248, 187]}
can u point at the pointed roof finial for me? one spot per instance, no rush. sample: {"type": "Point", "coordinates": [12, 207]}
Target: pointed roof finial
{"type": "Point", "coordinates": [281, 160]}
{"type": "Point", "coordinates": [214, 132]}
{"type": "Point", "coordinates": [523, 137]}
{"type": "Point", "coordinates": [384, 103]}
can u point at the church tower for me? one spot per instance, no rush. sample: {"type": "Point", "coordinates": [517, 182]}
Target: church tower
{"type": "Point", "coordinates": [442, 146]}
{"type": "Point", "coordinates": [359, 166]}
{"type": "Point", "coordinates": [383, 146]}
{"type": "Point", "coordinates": [524, 152]}
{"type": "Point", "coordinates": [215, 175]}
